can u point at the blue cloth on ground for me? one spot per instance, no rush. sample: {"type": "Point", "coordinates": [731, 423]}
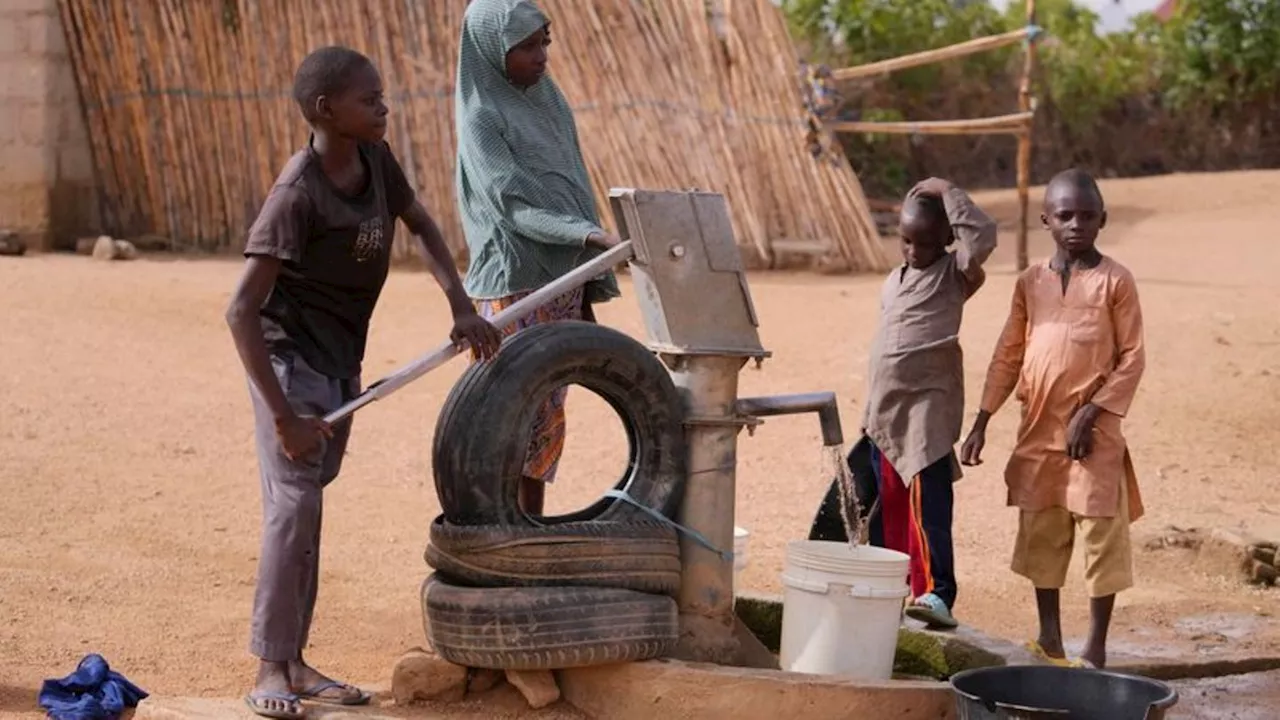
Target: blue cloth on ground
{"type": "Point", "coordinates": [93, 692]}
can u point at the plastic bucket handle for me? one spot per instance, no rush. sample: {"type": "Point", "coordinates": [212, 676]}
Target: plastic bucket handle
{"type": "Point", "coordinates": [862, 591]}
{"type": "Point", "coordinates": [857, 591]}
{"type": "Point", "coordinates": [813, 586]}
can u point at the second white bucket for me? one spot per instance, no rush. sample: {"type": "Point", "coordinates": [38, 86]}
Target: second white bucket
{"type": "Point", "coordinates": [841, 609]}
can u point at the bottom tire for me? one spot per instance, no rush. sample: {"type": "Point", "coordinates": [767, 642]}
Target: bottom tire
{"type": "Point", "coordinates": [547, 628]}
{"type": "Point", "coordinates": [641, 555]}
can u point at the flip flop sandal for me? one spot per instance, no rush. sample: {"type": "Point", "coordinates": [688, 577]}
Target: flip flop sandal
{"type": "Point", "coordinates": [931, 610]}
{"type": "Point", "coordinates": [255, 698]}
{"type": "Point", "coordinates": [1034, 647]}
{"type": "Point", "coordinates": [313, 694]}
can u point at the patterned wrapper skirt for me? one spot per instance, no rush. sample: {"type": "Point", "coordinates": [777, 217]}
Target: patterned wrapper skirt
{"type": "Point", "coordinates": [547, 442]}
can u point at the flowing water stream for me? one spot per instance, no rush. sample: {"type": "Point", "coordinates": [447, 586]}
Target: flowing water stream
{"type": "Point", "coordinates": [835, 467]}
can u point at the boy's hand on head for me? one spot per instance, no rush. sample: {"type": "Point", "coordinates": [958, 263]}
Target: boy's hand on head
{"type": "Point", "coordinates": [300, 435]}
{"type": "Point", "coordinates": [477, 332]}
{"type": "Point", "coordinates": [932, 186]}
{"type": "Point", "coordinates": [1080, 432]}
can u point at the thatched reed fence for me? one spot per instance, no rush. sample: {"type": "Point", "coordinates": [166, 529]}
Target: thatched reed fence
{"type": "Point", "coordinates": [190, 116]}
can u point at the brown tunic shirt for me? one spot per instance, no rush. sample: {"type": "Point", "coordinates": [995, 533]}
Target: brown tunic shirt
{"type": "Point", "coordinates": [1061, 350]}
{"type": "Point", "coordinates": [915, 398]}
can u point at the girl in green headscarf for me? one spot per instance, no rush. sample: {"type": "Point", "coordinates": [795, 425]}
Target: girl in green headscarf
{"type": "Point", "coordinates": [526, 202]}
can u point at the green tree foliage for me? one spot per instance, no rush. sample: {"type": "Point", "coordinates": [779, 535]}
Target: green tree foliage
{"type": "Point", "coordinates": [1082, 71]}
{"type": "Point", "coordinates": [1223, 52]}
{"type": "Point", "coordinates": [1196, 92]}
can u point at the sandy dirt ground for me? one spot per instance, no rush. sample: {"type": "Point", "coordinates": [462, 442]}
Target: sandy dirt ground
{"type": "Point", "coordinates": [129, 524]}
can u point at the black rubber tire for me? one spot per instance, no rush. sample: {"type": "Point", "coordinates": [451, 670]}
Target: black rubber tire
{"type": "Point", "coordinates": [641, 555]}
{"type": "Point", "coordinates": [482, 435]}
{"type": "Point", "coordinates": [545, 628]}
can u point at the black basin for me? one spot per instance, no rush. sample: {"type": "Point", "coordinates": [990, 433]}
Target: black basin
{"type": "Point", "coordinates": [1031, 692]}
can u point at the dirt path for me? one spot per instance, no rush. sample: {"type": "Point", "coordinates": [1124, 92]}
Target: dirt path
{"type": "Point", "coordinates": [130, 521]}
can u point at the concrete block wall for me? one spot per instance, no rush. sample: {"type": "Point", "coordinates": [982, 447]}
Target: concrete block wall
{"type": "Point", "coordinates": [47, 191]}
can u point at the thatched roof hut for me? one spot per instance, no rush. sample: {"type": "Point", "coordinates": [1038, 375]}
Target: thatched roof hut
{"type": "Point", "coordinates": [190, 115]}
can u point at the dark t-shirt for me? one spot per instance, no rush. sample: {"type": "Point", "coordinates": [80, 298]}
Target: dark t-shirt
{"type": "Point", "coordinates": [336, 251]}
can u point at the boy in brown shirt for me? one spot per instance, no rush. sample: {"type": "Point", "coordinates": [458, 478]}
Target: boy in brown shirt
{"type": "Point", "coordinates": [317, 258]}
{"type": "Point", "coordinates": [1073, 350]}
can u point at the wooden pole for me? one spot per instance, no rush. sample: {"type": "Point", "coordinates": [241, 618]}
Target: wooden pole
{"type": "Point", "coordinates": [1024, 142]}
{"type": "Point", "coordinates": [1015, 124]}
{"type": "Point", "coordinates": [927, 57]}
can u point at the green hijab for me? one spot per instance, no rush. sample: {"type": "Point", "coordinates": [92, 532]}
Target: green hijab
{"type": "Point", "coordinates": [523, 192]}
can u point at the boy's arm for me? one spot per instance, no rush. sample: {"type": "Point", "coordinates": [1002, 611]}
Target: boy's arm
{"type": "Point", "coordinates": [1117, 393]}
{"type": "Point", "coordinates": [482, 336]}
{"type": "Point", "coordinates": [278, 235]}
{"type": "Point", "coordinates": [1006, 359]}
{"type": "Point", "coordinates": [1002, 375]}
{"type": "Point", "coordinates": [403, 203]}
{"type": "Point", "coordinates": [438, 258]}
{"type": "Point", "coordinates": [259, 277]}
{"type": "Point", "coordinates": [975, 233]}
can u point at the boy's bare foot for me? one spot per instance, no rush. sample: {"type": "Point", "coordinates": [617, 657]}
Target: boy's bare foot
{"type": "Point", "coordinates": [272, 694]}
{"type": "Point", "coordinates": [310, 684]}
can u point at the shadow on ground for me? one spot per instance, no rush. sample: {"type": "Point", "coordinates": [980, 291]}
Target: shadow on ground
{"type": "Point", "coordinates": [18, 699]}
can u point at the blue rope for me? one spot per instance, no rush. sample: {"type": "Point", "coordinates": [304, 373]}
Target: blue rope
{"type": "Point", "coordinates": [697, 536]}
{"type": "Point", "coordinates": [1033, 33]}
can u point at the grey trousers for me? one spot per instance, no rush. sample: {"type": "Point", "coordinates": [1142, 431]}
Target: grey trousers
{"type": "Point", "coordinates": [292, 501]}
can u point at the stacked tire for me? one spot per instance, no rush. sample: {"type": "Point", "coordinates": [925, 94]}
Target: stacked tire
{"type": "Point", "coordinates": [514, 592]}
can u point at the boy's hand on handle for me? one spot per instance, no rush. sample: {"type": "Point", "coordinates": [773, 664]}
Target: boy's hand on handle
{"type": "Point", "coordinates": [477, 332]}
{"type": "Point", "coordinates": [1080, 431]}
{"type": "Point", "coordinates": [603, 240]}
{"type": "Point", "coordinates": [300, 435]}
{"type": "Point", "coordinates": [932, 186]}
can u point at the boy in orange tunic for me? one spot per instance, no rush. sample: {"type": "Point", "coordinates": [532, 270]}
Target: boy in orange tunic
{"type": "Point", "coordinates": [1073, 350]}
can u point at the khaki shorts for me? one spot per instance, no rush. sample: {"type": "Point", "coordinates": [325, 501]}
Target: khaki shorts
{"type": "Point", "coordinates": [1046, 538]}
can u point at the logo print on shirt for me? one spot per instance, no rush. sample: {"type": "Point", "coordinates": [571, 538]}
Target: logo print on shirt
{"type": "Point", "coordinates": [368, 240]}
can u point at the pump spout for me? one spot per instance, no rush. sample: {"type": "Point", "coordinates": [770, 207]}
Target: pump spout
{"type": "Point", "coordinates": [822, 403]}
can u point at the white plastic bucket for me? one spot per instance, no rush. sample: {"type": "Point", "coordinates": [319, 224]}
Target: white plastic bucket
{"type": "Point", "coordinates": [841, 609]}
{"type": "Point", "coordinates": [740, 536]}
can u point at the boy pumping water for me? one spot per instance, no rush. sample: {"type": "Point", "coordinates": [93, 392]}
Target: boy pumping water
{"type": "Point", "coordinates": [317, 258]}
